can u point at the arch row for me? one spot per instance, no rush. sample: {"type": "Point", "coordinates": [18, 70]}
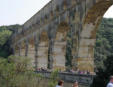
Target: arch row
{"type": "Point", "coordinates": [45, 50]}
{"type": "Point", "coordinates": [82, 21]}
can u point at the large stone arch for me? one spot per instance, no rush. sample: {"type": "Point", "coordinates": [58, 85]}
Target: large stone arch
{"type": "Point", "coordinates": [59, 54]}
{"type": "Point", "coordinates": [85, 60]}
{"type": "Point", "coordinates": [43, 50]}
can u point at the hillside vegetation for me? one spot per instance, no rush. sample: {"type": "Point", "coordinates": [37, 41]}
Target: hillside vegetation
{"type": "Point", "coordinates": [104, 42]}
{"type": "Point", "coordinates": [5, 33]}
{"type": "Point", "coordinates": [104, 53]}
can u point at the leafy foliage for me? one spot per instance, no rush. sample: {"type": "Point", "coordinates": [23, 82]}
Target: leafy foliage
{"type": "Point", "coordinates": [104, 42]}
{"type": "Point", "coordinates": [104, 53]}
{"type": "Point", "coordinates": [103, 75]}
{"type": "Point", "coordinates": [54, 78]}
{"type": "Point", "coordinates": [14, 72]}
{"type": "Point", "coordinates": [5, 33]}
{"type": "Point", "coordinates": [4, 36]}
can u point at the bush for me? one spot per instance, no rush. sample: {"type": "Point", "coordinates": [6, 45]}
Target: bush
{"type": "Point", "coordinates": [53, 79]}
{"type": "Point", "coordinates": [14, 72]}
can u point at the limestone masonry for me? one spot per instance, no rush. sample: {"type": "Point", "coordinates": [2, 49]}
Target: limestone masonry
{"type": "Point", "coordinates": [43, 37]}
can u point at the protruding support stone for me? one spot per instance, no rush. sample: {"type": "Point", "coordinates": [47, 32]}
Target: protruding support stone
{"type": "Point", "coordinates": [19, 49]}
{"type": "Point", "coordinates": [75, 47]}
{"type": "Point", "coordinates": [75, 43]}
{"type": "Point", "coordinates": [50, 54]}
{"type": "Point", "coordinates": [36, 51]}
{"type": "Point", "coordinates": [26, 47]}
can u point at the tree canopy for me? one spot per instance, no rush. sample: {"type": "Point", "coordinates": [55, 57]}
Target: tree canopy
{"type": "Point", "coordinates": [5, 33]}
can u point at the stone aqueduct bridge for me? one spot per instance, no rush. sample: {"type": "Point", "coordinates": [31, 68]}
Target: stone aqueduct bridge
{"type": "Point", "coordinates": [43, 37]}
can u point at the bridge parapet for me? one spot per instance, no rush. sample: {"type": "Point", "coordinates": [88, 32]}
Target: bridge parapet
{"type": "Point", "coordinates": [85, 80]}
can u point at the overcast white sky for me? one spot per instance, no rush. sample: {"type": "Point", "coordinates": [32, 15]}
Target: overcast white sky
{"type": "Point", "coordinates": [19, 11]}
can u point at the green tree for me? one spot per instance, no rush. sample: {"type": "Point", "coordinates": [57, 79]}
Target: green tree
{"type": "Point", "coordinates": [104, 42]}
{"type": "Point", "coordinates": [104, 53]}
{"type": "Point", "coordinates": [103, 75]}
{"type": "Point", "coordinates": [53, 79]}
{"type": "Point", "coordinates": [5, 34]}
{"type": "Point", "coordinates": [15, 72]}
